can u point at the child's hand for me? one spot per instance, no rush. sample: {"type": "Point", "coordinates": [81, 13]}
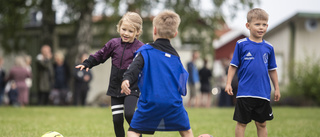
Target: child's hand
{"type": "Point", "coordinates": [277, 95]}
{"type": "Point", "coordinates": [125, 87]}
{"type": "Point", "coordinates": [82, 67]}
{"type": "Point", "coordinates": [228, 89]}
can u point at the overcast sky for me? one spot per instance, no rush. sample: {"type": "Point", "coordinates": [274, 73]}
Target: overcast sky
{"type": "Point", "coordinates": [278, 10]}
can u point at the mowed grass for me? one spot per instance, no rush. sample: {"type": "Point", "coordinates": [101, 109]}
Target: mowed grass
{"type": "Point", "coordinates": [97, 122]}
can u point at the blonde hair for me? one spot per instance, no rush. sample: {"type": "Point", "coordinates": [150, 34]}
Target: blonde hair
{"type": "Point", "coordinates": [134, 19]}
{"type": "Point", "coordinates": [28, 59]}
{"type": "Point", "coordinates": [19, 61]}
{"type": "Point", "coordinates": [59, 55]}
{"type": "Point", "coordinates": [167, 23]}
{"type": "Point", "coordinates": [257, 13]}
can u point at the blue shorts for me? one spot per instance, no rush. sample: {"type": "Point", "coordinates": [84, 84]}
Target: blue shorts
{"type": "Point", "coordinates": [256, 109]}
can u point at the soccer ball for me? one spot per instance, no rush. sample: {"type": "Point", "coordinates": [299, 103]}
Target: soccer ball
{"type": "Point", "coordinates": [52, 134]}
{"type": "Point", "coordinates": [205, 135]}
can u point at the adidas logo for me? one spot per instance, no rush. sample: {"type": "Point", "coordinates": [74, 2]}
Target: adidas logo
{"type": "Point", "coordinates": [249, 57]}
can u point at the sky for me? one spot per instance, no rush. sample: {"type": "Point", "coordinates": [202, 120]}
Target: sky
{"type": "Point", "coordinates": [278, 10]}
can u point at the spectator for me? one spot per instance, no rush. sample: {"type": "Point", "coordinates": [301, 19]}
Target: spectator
{"type": "Point", "coordinates": [81, 83]}
{"type": "Point", "coordinates": [234, 83]}
{"type": "Point", "coordinates": [2, 80]}
{"type": "Point", "coordinates": [205, 76]}
{"type": "Point", "coordinates": [60, 90]}
{"type": "Point", "coordinates": [193, 81]}
{"type": "Point", "coordinates": [224, 99]}
{"type": "Point", "coordinates": [45, 74]}
{"type": "Point", "coordinates": [18, 73]}
{"type": "Point", "coordinates": [28, 61]}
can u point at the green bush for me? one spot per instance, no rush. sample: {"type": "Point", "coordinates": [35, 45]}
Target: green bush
{"type": "Point", "coordinates": [305, 83]}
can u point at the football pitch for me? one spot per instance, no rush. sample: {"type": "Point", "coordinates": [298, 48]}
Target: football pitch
{"type": "Point", "coordinates": [97, 122]}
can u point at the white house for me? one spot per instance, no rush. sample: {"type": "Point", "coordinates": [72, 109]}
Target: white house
{"type": "Point", "coordinates": [294, 40]}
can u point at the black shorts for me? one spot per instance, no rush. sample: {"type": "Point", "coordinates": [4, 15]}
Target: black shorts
{"type": "Point", "coordinates": [256, 109]}
{"type": "Point", "coordinates": [141, 132]}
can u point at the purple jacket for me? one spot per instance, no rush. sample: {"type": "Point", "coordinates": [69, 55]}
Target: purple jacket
{"type": "Point", "coordinates": [122, 55]}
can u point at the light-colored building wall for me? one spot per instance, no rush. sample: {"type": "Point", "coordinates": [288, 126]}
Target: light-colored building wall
{"type": "Point", "coordinates": [280, 42]}
{"type": "Point", "coordinates": [307, 42]}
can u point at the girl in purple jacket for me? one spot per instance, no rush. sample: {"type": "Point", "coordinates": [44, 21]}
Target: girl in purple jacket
{"type": "Point", "coordinates": [121, 50]}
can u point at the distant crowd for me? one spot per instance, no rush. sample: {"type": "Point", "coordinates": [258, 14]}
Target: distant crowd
{"type": "Point", "coordinates": [52, 80]}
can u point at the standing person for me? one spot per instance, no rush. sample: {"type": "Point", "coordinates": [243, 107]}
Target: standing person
{"type": "Point", "coordinates": [205, 88]}
{"type": "Point", "coordinates": [12, 92]}
{"type": "Point", "coordinates": [162, 80]}
{"type": "Point", "coordinates": [255, 61]}
{"type": "Point", "coordinates": [121, 51]}
{"type": "Point", "coordinates": [60, 90]}
{"type": "Point", "coordinates": [18, 73]}
{"type": "Point", "coordinates": [82, 79]}
{"type": "Point", "coordinates": [28, 61]}
{"type": "Point", "coordinates": [193, 81]}
{"type": "Point", "coordinates": [45, 74]}
{"type": "Point", "coordinates": [234, 83]}
{"type": "Point", "coordinates": [2, 80]}
{"type": "Point", "coordinates": [225, 100]}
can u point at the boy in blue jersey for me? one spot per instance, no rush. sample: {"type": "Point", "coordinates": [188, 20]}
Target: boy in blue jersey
{"type": "Point", "coordinates": [161, 79]}
{"type": "Point", "coordinates": [254, 61]}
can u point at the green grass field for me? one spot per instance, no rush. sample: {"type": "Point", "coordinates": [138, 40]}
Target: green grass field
{"type": "Point", "coordinates": [97, 122]}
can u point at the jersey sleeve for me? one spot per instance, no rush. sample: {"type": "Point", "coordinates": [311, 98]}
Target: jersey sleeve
{"type": "Point", "coordinates": [105, 53]}
{"type": "Point", "coordinates": [132, 73]}
{"type": "Point", "coordinates": [236, 56]}
{"type": "Point", "coordinates": [272, 61]}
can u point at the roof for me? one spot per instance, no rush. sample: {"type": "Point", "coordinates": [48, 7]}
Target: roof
{"type": "Point", "coordinates": [298, 15]}
{"type": "Point", "coordinates": [227, 37]}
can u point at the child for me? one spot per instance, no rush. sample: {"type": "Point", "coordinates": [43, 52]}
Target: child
{"type": "Point", "coordinates": [2, 80]}
{"type": "Point", "coordinates": [162, 81]}
{"type": "Point", "coordinates": [121, 51]}
{"type": "Point", "coordinates": [254, 61]}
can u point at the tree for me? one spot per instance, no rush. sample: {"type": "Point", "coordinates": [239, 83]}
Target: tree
{"type": "Point", "coordinates": [13, 15]}
{"type": "Point", "coordinates": [48, 22]}
{"type": "Point", "coordinates": [80, 14]}
{"type": "Point", "coordinates": [197, 26]}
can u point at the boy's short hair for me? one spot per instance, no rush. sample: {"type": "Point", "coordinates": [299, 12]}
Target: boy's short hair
{"type": "Point", "coordinates": [257, 13]}
{"type": "Point", "coordinates": [134, 19]}
{"type": "Point", "coordinates": [167, 23]}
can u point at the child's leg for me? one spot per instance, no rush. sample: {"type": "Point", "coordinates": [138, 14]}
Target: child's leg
{"type": "Point", "coordinates": [130, 103]}
{"type": "Point", "coordinates": [262, 129]}
{"type": "Point", "coordinates": [117, 115]}
{"type": "Point", "coordinates": [187, 133]}
{"type": "Point", "coordinates": [133, 134]}
{"type": "Point", "coordinates": [240, 128]}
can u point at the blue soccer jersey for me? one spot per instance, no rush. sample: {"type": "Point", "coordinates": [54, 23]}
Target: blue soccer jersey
{"type": "Point", "coordinates": [162, 82]}
{"type": "Point", "coordinates": [253, 61]}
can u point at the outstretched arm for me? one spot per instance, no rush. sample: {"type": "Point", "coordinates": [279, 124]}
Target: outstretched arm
{"type": "Point", "coordinates": [81, 67]}
{"type": "Point", "coordinates": [274, 78]}
{"type": "Point", "coordinates": [231, 71]}
{"type": "Point", "coordinates": [132, 74]}
{"type": "Point", "coordinates": [88, 63]}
